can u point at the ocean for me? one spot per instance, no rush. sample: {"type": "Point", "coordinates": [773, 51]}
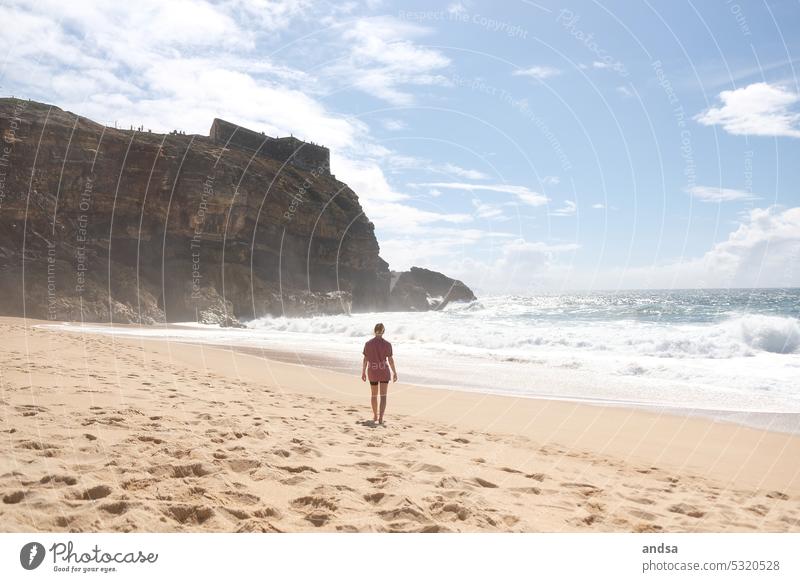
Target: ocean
{"type": "Point", "coordinates": [732, 354]}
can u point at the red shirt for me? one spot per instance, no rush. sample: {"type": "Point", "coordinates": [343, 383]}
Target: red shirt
{"type": "Point", "coordinates": [376, 351]}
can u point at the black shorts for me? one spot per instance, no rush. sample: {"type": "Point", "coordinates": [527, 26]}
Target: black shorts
{"type": "Point", "coordinates": [371, 383]}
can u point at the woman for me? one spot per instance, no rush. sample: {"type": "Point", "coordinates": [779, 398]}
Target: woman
{"type": "Point", "coordinates": [376, 353]}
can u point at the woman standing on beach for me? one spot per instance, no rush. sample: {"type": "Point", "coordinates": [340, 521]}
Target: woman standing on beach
{"type": "Point", "coordinates": [376, 353]}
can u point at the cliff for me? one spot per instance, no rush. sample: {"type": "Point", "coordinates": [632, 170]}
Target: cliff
{"type": "Point", "coordinates": [104, 224]}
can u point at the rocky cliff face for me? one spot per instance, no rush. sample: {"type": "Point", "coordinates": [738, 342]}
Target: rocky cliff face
{"type": "Point", "coordinates": [424, 290]}
{"type": "Point", "coordinates": [102, 224]}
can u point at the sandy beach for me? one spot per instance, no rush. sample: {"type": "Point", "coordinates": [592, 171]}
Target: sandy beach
{"type": "Point", "coordinates": [107, 434]}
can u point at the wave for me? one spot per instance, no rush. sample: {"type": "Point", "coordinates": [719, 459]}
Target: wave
{"type": "Point", "coordinates": [470, 328]}
{"type": "Point", "coordinates": [780, 335]}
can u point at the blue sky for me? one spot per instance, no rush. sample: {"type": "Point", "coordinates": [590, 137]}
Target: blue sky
{"type": "Point", "coordinates": [516, 145]}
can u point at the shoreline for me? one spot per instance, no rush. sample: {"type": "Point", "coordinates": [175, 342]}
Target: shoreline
{"type": "Point", "coordinates": [772, 421]}
{"type": "Point", "coordinates": [777, 422]}
{"type": "Point", "coordinates": [285, 448]}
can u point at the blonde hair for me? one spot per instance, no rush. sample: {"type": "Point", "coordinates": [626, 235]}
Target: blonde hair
{"type": "Point", "coordinates": [379, 328]}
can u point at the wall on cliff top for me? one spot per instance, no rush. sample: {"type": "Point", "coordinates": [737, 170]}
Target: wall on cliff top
{"type": "Point", "coordinates": [290, 150]}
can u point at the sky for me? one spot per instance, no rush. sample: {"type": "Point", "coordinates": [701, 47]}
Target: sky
{"type": "Point", "coordinates": [518, 146]}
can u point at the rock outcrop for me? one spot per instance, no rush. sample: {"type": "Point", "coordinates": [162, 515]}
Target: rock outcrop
{"type": "Point", "coordinates": [423, 290]}
{"type": "Point", "coordinates": [105, 224]}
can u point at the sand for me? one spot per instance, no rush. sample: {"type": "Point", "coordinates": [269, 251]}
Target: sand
{"type": "Point", "coordinates": [107, 434]}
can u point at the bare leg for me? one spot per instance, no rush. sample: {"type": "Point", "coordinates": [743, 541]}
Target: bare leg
{"type": "Point", "coordinates": [374, 401]}
{"type": "Point", "coordinates": [384, 389]}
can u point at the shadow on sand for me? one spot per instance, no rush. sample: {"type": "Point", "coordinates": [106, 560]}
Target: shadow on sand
{"type": "Point", "coordinates": [370, 423]}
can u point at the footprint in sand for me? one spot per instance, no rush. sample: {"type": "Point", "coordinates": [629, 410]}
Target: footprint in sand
{"type": "Point", "coordinates": [406, 511]}
{"type": "Point", "coordinates": [93, 493]}
{"type": "Point", "coordinates": [449, 509]}
{"type": "Point", "coordinates": [243, 498]}
{"type": "Point", "coordinates": [645, 515]}
{"type": "Point", "coordinates": [235, 512]}
{"type": "Point", "coordinates": [149, 439]}
{"type": "Point", "coordinates": [790, 520]}
{"type": "Point", "coordinates": [116, 507]}
{"type": "Point", "coordinates": [640, 500]}
{"type": "Point", "coordinates": [760, 510]}
{"type": "Point", "coordinates": [243, 465]}
{"type": "Point", "coordinates": [647, 528]}
{"type": "Point", "coordinates": [56, 479]}
{"type": "Point", "coordinates": [44, 449]}
{"type": "Point", "coordinates": [320, 510]}
{"type": "Point", "coordinates": [180, 471]}
{"type": "Point", "coordinates": [528, 490]}
{"type": "Point", "coordinates": [777, 495]}
{"type": "Point", "coordinates": [585, 489]}
{"type": "Point", "coordinates": [14, 497]}
{"type": "Point", "coordinates": [63, 520]}
{"type": "Point", "coordinates": [484, 483]}
{"type": "Point", "coordinates": [377, 498]}
{"type": "Point", "coordinates": [299, 469]}
{"type": "Point", "coordinates": [267, 511]}
{"type": "Point", "coordinates": [427, 468]}
{"type": "Point", "coordinates": [372, 465]}
{"type": "Point", "coordinates": [686, 509]}
{"type": "Point", "coordinates": [189, 514]}
{"type": "Point", "coordinates": [448, 483]}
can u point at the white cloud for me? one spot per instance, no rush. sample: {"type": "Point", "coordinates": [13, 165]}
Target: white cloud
{"type": "Point", "coordinates": [393, 124]}
{"type": "Point", "coordinates": [716, 194]}
{"type": "Point", "coordinates": [517, 266]}
{"type": "Point", "coordinates": [456, 8]}
{"type": "Point", "coordinates": [163, 65]}
{"type": "Point", "coordinates": [399, 162]}
{"type": "Point", "coordinates": [624, 91]}
{"type": "Point", "coordinates": [568, 209]}
{"type": "Point", "coordinates": [466, 173]}
{"type": "Point", "coordinates": [598, 206]}
{"type": "Point", "coordinates": [274, 15]}
{"type": "Point", "coordinates": [522, 193]}
{"type": "Point", "coordinates": [401, 218]}
{"type": "Point", "coordinates": [383, 58]}
{"type": "Point", "coordinates": [366, 179]}
{"type": "Point", "coordinates": [441, 250]}
{"type": "Point", "coordinates": [763, 251]}
{"type": "Point", "coordinates": [537, 72]}
{"type": "Point", "coordinates": [487, 211]}
{"type": "Point", "coordinates": [551, 180]}
{"type": "Point", "coordinates": [758, 109]}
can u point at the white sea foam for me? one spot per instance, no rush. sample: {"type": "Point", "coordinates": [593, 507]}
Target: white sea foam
{"type": "Point", "coordinates": [737, 336]}
{"type": "Point", "coordinates": [780, 335]}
